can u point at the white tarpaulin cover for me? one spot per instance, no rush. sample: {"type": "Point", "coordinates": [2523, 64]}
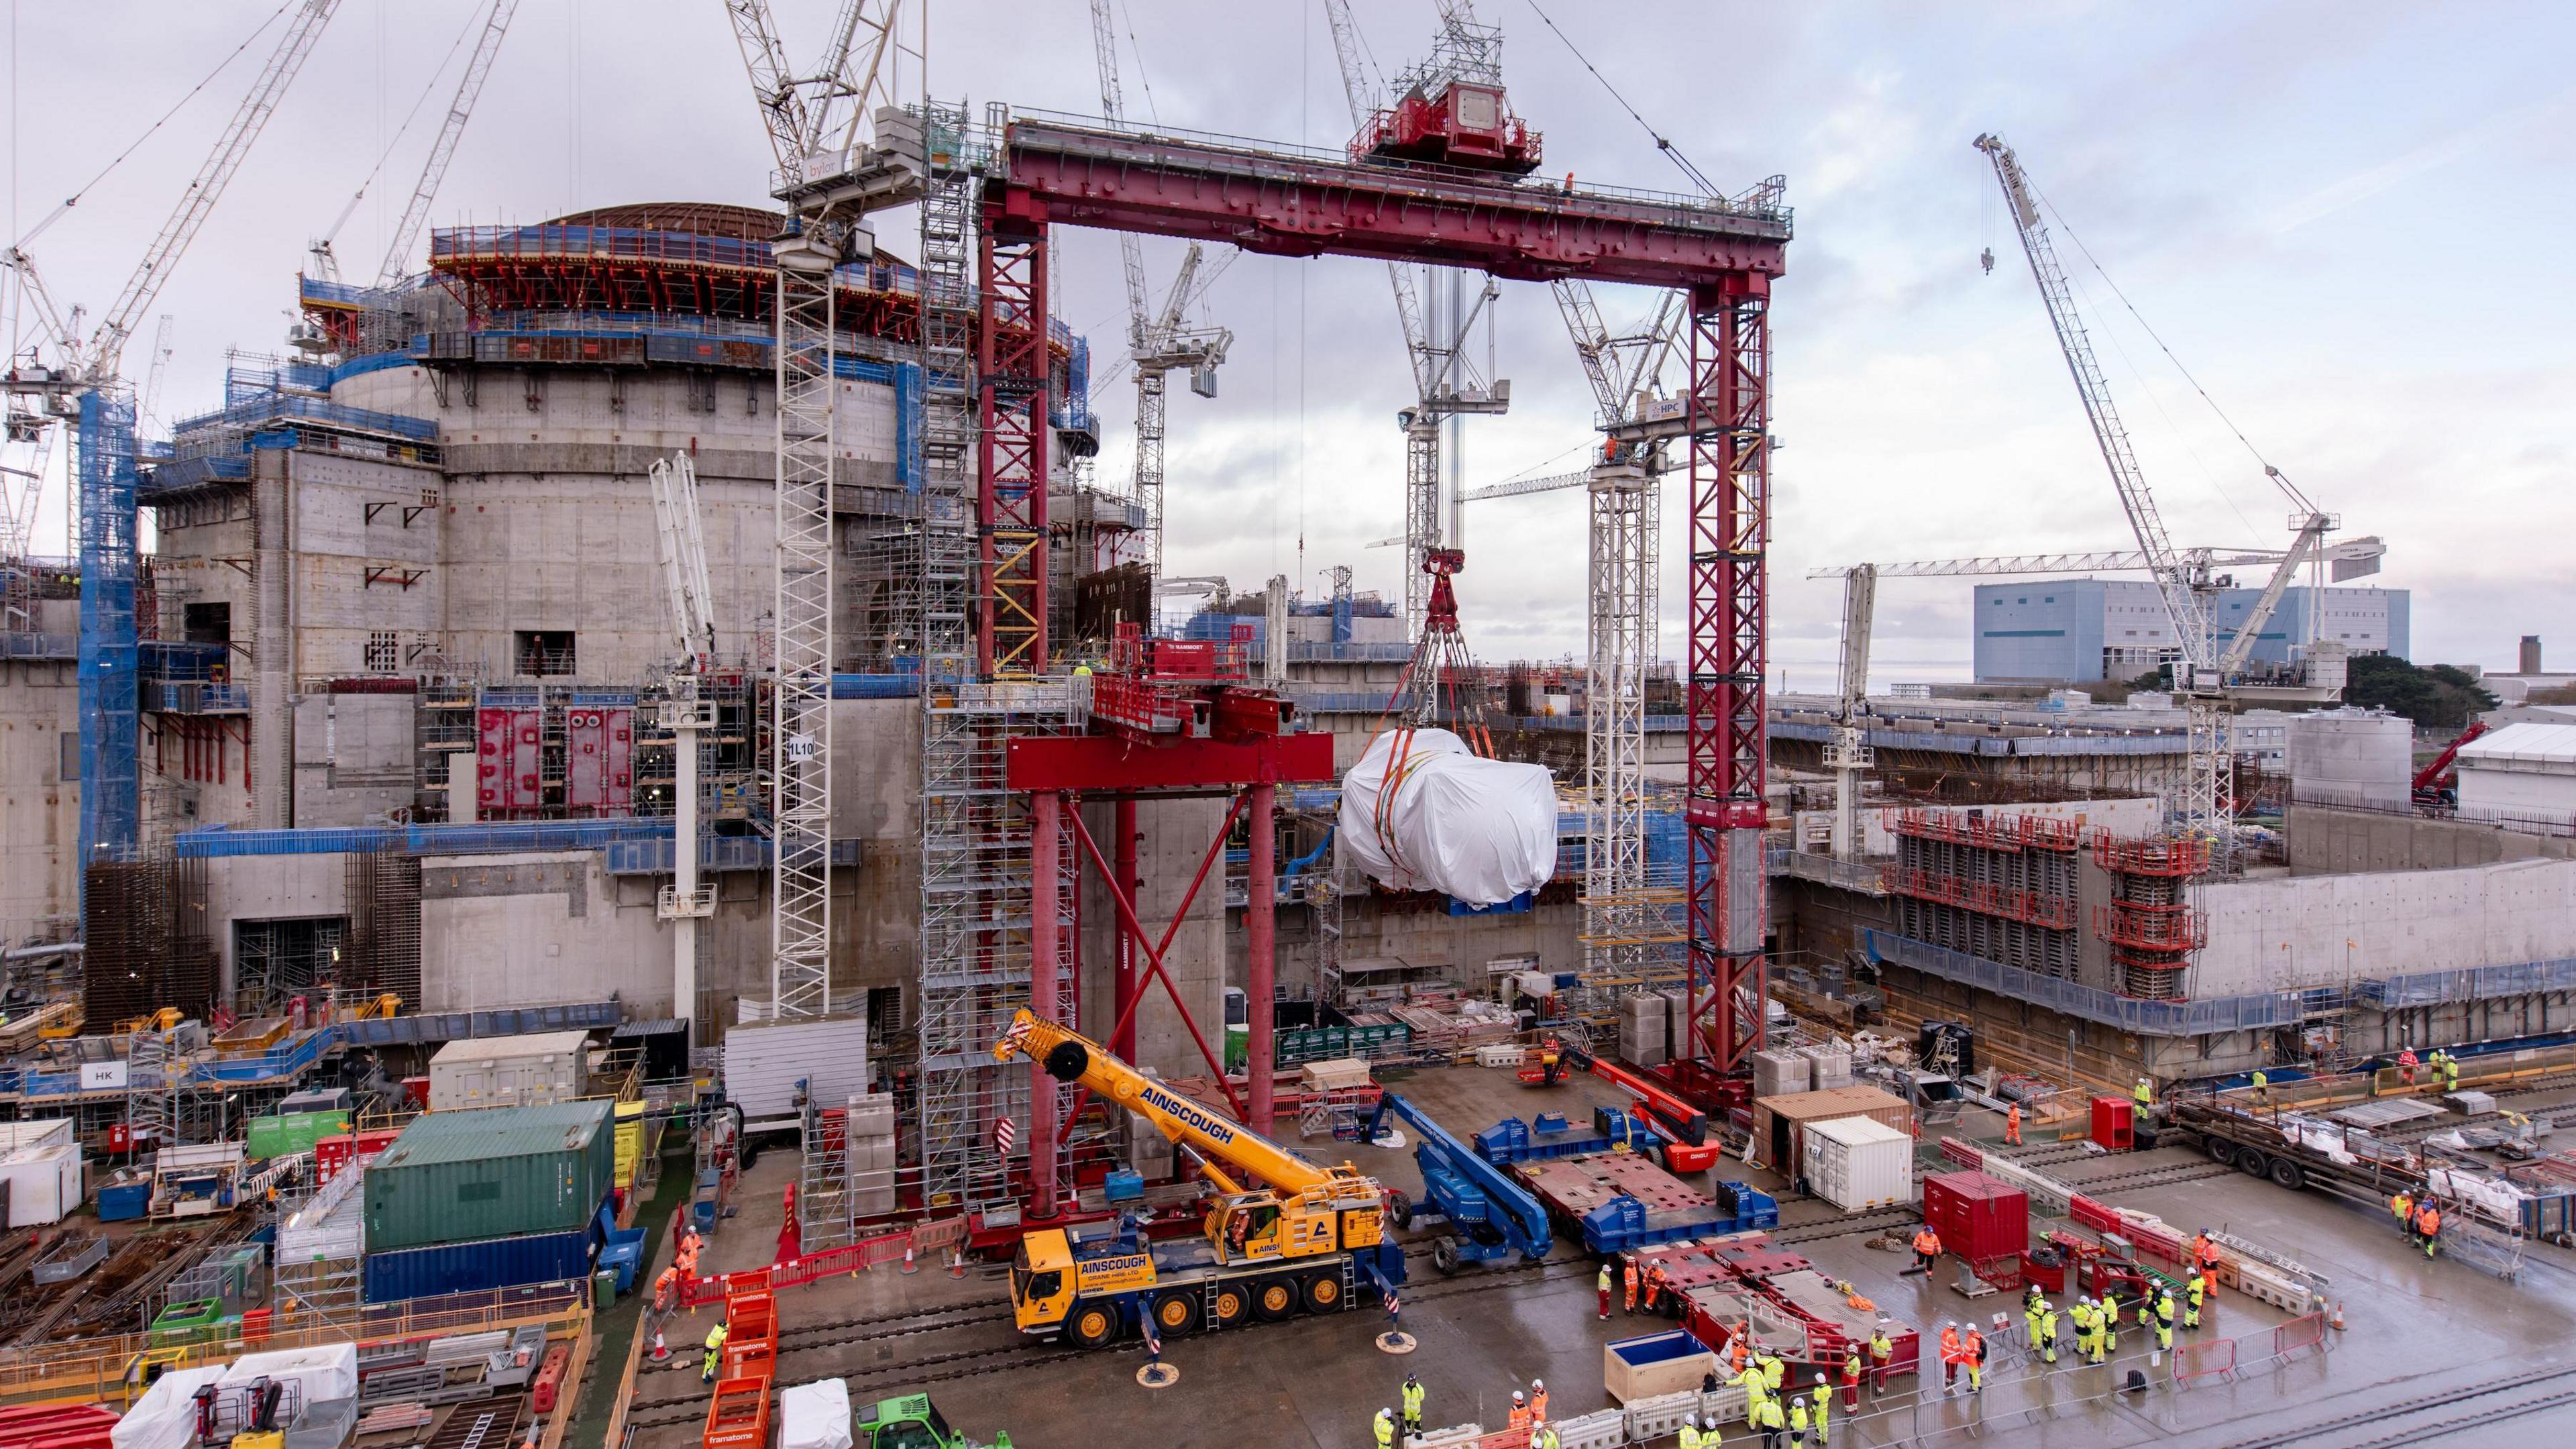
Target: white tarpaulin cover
{"type": "Point", "coordinates": [166, 1416]}
{"type": "Point", "coordinates": [324, 1371]}
{"type": "Point", "coordinates": [814, 1416]}
{"type": "Point", "coordinates": [1480, 830]}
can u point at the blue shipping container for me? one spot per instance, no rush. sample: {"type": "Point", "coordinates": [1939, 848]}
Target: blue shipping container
{"type": "Point", "coordinates": [474, 1267]}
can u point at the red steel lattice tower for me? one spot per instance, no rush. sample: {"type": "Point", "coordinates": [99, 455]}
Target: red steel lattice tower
{"type": "Point", "coordinates": [1011, 503]}
{"type": "Point", "coordinates": [1730, 526]}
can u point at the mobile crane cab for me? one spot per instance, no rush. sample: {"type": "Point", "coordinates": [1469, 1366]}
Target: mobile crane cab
{"type": "Point", "coordinates": [1282, 1235]}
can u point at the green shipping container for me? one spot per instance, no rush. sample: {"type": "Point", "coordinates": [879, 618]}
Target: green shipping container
{"type": "Point", "coordinates": [286, 1133]}
{"type": "Point", "coordinates": [491, 1172]}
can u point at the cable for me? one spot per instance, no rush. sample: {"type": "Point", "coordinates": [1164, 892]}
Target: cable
{"type": "Point", "coordinates": [2275, 474]}
{"type": "Point", "coordinates": [472, 22]}
{"type": "Point", "coordinates": [84, 189]}
{"type": "Point", "coordinates": [1142, 83]}
{"type": "Point", "coordinates": [1663, 143]}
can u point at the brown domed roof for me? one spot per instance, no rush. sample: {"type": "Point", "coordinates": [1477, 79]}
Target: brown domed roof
{"type": "Point", "coordinates": [694, 218]}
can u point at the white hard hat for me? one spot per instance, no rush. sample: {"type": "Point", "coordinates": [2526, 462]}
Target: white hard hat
{"type": "Point", "coordinates": [1538, 1383]}
{"type": "Point", "coordinates": [1517, 1396]}
{"type": "Point", "coordinates": [1820, 1378]}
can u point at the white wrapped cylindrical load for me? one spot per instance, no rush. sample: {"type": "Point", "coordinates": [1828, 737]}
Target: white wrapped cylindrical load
{"type": "Point", "coordinates": [1421, 812]}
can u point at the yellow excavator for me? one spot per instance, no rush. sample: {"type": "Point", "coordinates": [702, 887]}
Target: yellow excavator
{"type": "Point", "coordinates": [1283, 1236]}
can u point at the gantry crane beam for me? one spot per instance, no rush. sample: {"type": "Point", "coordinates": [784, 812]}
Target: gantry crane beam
{"type": "Point", "coordinates": [1722, 254]}
{"type": "Point", "coordinates": [1295, 204]}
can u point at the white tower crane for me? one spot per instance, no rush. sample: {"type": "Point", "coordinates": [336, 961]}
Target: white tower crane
{"type": "Point", "coordinates": [829, 182]}
{"type": "Point", "coordinates": [2207, 807]}
{"type": "Point", "coordinates": [1446, 383]}
{"type": "Point", "coordinates": [683, 550]}
{"type": "Point", "coordinates": [83, 382]}
{"type": "Point", "coordinates": [1157, 342]}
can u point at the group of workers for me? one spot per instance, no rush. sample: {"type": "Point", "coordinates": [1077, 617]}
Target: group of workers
{"type": "Point", "coordinates": [1528, 1415]}
{"type": "Point", "coordinates": [2446, 1067]}
{"type": "Point", "coordinates": [1763, 1375]}
{"type": "Point", "coordinates": [1649, 1279]}
{"type": "Point", "coordinates": [2420, 1219]}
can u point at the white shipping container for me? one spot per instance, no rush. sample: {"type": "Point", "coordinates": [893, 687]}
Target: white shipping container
{"type": "Point", "coordinates": [44, 1183]}
{"type": "Point", "coordinates": [44, 1132]}
{"type": "Point", "coordinates": [533, 1070]}
{"type": "Point", "coordinates": [764, 1061]}
{"type": "Point", "coordinates": [1856, 1163]}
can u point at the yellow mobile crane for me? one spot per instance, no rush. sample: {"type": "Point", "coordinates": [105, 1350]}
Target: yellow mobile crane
{"type": "Point", "coordinates": [1284, 1234]}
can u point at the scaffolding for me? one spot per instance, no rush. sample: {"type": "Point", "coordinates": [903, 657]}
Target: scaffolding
{"type": "Point", "coordinates": [965, 944]}
{"type": "Point", "coordinates": [823, 1188]}
{"type": "Point", "coordinates": [1631, 931]}
{"type": "Point", "coordinates": [800, 978]}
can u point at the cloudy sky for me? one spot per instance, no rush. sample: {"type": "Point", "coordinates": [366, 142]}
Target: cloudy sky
{"type": "Point", "coordinates": [2346, 219]}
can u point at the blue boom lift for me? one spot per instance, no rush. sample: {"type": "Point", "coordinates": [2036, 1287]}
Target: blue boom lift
{"type": "Point", "coordinates": [1495, 1217]}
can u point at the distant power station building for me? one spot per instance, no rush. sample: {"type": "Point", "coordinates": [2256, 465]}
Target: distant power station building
{"type": "Point", "coordinates": [2075, 631]}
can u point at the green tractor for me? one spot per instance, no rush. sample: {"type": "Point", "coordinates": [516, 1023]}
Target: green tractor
{"type": "Point", "coordinates": [911, 1422]}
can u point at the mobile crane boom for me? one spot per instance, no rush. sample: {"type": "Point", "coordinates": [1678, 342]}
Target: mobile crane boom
{"type": "Point", "coordinates": [1069, 1056]}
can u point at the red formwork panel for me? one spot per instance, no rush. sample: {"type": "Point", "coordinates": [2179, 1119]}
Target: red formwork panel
{"type": "Point", "coordinates": [2115, 1125]}
{"type": "Point", "coordinates": [1979, 1218]}
{"type": "Point", "coordinates": [599, 751]}
{"type": "Point", "coordinates": [508, 743]}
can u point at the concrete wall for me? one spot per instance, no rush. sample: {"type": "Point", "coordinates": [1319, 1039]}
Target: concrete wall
{"type": "Point", "coordinates": [2345, 842]}
{"type": "Point", "coordinates": [354, 758]}
{"type": "Point", "coordinates": [548, 513]}
{"type": "Point", "coordinates": [2282, 934]}
{"type": "Point", "coordinates": [538, 929]}
{"type": "Point", "coordinates": [2352, 757]}
{"type": "Point", "coordinates": [39, 793]}
{"type": "Point", "coordinates": [269, 888]}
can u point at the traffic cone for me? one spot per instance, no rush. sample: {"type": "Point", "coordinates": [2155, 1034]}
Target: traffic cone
{"type": "Point", "coordinates": [908, 1265]}
{"type": "Point", "coordinates": [2337, 1324]}
{"type": "Point", "coordinates": [957, 1263]}
{"type": "Point", "coordinates": [661, 1350]}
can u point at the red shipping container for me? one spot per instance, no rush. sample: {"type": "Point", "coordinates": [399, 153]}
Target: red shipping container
{"type": "Point", "coordinates": [1977, 1217]}
{"type": "Point", "coordinates": [2115, 1125]}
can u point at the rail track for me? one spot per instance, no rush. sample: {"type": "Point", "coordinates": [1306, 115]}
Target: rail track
{"type": "Point", "coordinates": [2425, 1403]}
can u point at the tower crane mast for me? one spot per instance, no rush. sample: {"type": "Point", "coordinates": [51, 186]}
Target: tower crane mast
{"type": "Point", "coordinates": [828, 188]}
{"type": "Point", "coordinates": [1157, 344]}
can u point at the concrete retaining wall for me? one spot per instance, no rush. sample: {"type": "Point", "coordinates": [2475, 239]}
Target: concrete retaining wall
{"type": "Point", "coordinates": [2273, 935]}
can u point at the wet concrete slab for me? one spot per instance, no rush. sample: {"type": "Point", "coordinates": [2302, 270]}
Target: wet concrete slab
{"type": "Point", "coordinates": [2416, 1332]}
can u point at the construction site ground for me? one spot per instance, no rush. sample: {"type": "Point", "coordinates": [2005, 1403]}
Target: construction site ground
{"type": "Point", "coordinates": [2430, 1351]}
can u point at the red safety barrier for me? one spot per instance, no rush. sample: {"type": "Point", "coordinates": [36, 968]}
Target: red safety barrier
{"type": "Point", "coordinates": [549, 1380]}
{"type": "Point", "coordinates": [2153, 1242]}
{"type": "Point", "coordinates": [855, 1258]}
{"type": "Point", "coordinates": [2203, 1358]}
{"type": "Point", "coordinates": [2306, 1331]}
{"type": "Point", "coordinates": [1962, 1153]}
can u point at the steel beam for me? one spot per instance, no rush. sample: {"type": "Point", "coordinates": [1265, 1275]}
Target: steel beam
{"type": "Point", "coordinates": [1102, 764]}
{"type": "Point", "coordinates": [1272, 200]}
